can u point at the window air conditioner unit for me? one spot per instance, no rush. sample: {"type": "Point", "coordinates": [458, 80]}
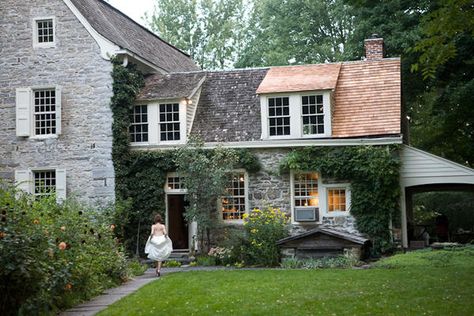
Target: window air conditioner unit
{"type": "Point", "coordinates": [306, 214]}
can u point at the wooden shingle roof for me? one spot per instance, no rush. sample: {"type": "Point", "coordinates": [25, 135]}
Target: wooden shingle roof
{"type": "Point", "coordinates": [171, 86]}
{"type": "Point", "coordinates": [126, 33]}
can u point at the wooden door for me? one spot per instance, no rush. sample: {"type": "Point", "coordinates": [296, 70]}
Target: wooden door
{"type": "Point", "coordinates": [177, 226]}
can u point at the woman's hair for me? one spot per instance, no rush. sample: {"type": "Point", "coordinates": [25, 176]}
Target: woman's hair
{"type": "Point", "coordinates": [158, 219]}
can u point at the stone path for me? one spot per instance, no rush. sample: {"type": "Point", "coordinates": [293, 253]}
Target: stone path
{"type": "Point", "coordinates": [112, 295]}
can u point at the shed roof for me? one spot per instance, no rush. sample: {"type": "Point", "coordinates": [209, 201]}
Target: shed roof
{"type": "Point", "coordinates": [326, 231]}
{"type": "Point", "coordinates": [300, 78]}
{"type": "Point", "coordinates": [126, 33]}
{"type": "Point", "coordinates": [171, 86]}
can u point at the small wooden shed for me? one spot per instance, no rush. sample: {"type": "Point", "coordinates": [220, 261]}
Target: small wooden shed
{"type": "Point", "coordinates": [324, 242]}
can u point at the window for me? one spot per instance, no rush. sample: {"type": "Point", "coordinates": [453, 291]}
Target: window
{"type": "Point", "coordinates": [313, 114]}
{"type": "Point", "coordinates": [43, 32]}
{"type": "Point", "coordinates": [305, 188]}
{"type": "Point", "coordinates": [139, 124]}
{"type": "Point", "coordinates": [233, 203]}
{"type": "Point", "coordinates": [169, 122]}
{"type": "Point", "coordinates": [279, 116]}
{"type": "Point", "coordinates": [337, 201]}
{"type": "Point", "coordinates": [45, 183]}
{"type": "Point", "coordinates": [42, 182]}
{"type": "Point", "coordinates": [175, 183]}
{"type": "Point", "coordinates": [296, 115]}
{"type": "Point", "coordinates": [44, 111]}
{"type": "Point", "coordinates": [38, 112]}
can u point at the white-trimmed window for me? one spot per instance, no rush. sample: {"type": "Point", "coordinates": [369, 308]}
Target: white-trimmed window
{"type": "Point", "coordinates": [312, 114]}
{"type": "Point", "coordinates": [305, 188]}
{"type": "Point", "coordinates": [279, 116]}
{"type": "Point", "coordinates": [170, 129]}
{"type": "Point", "coordinates": [234, 202]}
{"type": "Point", "coordinates": [44, 34]}
{"type": "Point", "coordinates": [305, 196]}
{"type": "Point", "coordinates": [139, 124]}
{"type": "Point", "coordinates": [174, 183]}
{"type": "Point", "coordinates": [38, 112]}
{"type": "Point", "coordinates": [44, 111]}
{"type": "Point", "coordinates": [338, 198]}
{"type": "Point", "coordinates": [296, 115]}
{"type": "Point", "coordinates": [42, 182]}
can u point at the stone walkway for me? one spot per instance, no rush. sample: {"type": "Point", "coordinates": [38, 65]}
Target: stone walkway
{"type": "Point", "coordinates": [112, 295]}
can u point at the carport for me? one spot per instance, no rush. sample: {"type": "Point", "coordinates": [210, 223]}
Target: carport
{"type": "Point", "coordinates": [425, 172]}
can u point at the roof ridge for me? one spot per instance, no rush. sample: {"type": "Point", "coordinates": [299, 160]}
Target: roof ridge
{"type": "Point", "coordinates": [142, 27]}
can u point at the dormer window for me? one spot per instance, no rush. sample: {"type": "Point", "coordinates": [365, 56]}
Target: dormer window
{"type": "Point", "coordinates": [296, 115]}
{"type": "Point", "coordinates": [169, 122]}
{"type": "Point", "coordinates": [44, 32]}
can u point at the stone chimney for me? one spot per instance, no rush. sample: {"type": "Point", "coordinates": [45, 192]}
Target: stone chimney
{"type": "Point", "coordinates": [373, 47]}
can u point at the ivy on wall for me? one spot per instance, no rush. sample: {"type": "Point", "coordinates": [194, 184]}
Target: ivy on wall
{"type": "Point", "coordinates": [140, 176]}
{"type": "Point", "coordinates": [374, 175]}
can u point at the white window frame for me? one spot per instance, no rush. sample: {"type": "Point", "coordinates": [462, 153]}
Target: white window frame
{"type": "Point", "coordinates": [153, 111]}
{"type": "Point", "coordinates": [292, 195]}
{"type": "Point", "coordinates": [147, 123]}
{"type": "Point", "coordinates": [296, 114]}
{"type": "Point", "coordinates": [347, 187]}
{"type": "Point", "coordinates": [169, 190]}
{"type": "Point", "coordinates": [25, 180]}
{"type": "Point", "coordinates": [37, 44]}
{"type": "Point", "coordinates": [25, 112]}
{"type": "Point", "coordinates": [246, 195]}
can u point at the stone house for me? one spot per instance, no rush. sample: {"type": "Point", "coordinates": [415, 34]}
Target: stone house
{"type": "Point", "coordinates": [55, 91]}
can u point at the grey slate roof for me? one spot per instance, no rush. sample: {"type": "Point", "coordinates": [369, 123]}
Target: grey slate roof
{"type": "Point", "coordinates": [327, 231]}
{"type": "Point", "coordinates": [171, 86]}
{"type": "Point", "coordinates": [229, 108]}
{"type": "Point", "coordinates": [124, 32]}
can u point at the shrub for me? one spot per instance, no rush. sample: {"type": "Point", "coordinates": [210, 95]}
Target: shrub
{"type": "Point", "coordinates": [172, 264]}
{"type": "Point", "coordinates": [136, 268]}
{"type": "Point", "coordinates": [54, 255]}
{"type": "Point", "coordinates": [263, 229]}
{"type": "Point", "coordinates": [205, 261]}
{"type": "Point", "coordinates": [222, 255]}
{"type": "Point", "coordinates": [320, 263]}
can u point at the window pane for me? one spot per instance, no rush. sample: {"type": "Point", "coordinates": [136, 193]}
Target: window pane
{"type": "Point", "coordinates": [305, 189]}
{"type": "Point", "coordinates": [139, 124]}
{"type": "Point", "coordinates": [313, 115]}
{"type": "Point", "coordinates": [233, 202]}
{"type": "Point", "coordinates": [169, 122]}
{"type": "Point", "coordinates": [44, 113]}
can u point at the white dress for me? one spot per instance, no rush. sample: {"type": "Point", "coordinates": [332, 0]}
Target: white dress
{"type": "Point", "coordinates": [158, 248]}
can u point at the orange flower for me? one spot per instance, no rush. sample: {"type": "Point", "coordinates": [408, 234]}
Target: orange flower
{"type": "Point", "coordinates": [63, 228]}
{"type": "Point", "coordinates": [62, 245]}
{"type": "Point", "coordinates": [2, 234]}
{"type": "Point", "coordinates": [112, 227]}
{"type": "Point", "coordinates": [36, 221]}
{"type": "Point", "coordinates": [68, 286]}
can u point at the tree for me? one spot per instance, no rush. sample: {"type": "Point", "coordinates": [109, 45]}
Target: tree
{"type": "Point", "coordinates": [281, 32]}
{"type": "Point", "coordinates": [205, 175]}
{"type": "Point", "coordinates": [210, 31]}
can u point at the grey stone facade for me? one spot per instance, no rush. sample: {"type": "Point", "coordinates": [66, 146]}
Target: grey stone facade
{"type": "Point", "coordinates": [84, 146]}
{"type": "Point", "coordinates": [270, 188]}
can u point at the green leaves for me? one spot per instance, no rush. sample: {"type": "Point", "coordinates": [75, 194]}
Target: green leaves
{"type": "Point", "coordinates": [373, 172]}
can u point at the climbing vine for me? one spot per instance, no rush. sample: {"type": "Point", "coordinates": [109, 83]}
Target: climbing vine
{"type": "Point", "coordinates": [374, 175]}
{"type": "Point", "coordinates": [140, 176]}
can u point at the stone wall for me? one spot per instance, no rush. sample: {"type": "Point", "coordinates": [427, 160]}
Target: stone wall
{"type": "Point", "coordinates": [270, 188]}
{"type": "Point", "coordinates": [85, 144]}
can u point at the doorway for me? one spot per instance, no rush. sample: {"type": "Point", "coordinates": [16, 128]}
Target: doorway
{"type": "Point", "coordinates": [177, 225]}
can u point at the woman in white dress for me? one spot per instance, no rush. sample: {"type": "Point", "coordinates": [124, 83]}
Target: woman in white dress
{"type": "Point", "coordinates": [159, 245]}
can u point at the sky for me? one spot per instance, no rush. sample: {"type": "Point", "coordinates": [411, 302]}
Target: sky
{"type": "Point", "coordinates": [134, 8]}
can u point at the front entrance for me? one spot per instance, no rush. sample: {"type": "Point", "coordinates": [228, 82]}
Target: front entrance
{"type": "Point", "coordinates": [177, 226]}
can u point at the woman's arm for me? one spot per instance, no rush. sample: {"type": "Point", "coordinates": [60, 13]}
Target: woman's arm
{"type": "Point", "coordinates": [164, 230]}
{"type": "Point", "coordinates": [151, 234]}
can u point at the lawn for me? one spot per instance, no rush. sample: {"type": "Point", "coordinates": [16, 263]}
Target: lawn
{"type": "Point", "coordinates": [417, 283]}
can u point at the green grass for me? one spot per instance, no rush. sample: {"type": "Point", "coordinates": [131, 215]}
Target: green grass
{"type": "Point", "coordinates": [418, 283]}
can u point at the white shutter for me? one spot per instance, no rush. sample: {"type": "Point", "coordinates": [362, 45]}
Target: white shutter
{"type": "Point", "coordinates": [23, 111]}
{"type": "Point", "coordinates": [58, 110]}
{"type": "Point", "coordinates": [23, 180]}
{"type": "Point", "coordinates": [60, 184]}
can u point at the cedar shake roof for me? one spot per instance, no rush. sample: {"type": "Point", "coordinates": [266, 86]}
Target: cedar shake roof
{"type": "Point", "coordinates": [171, 86]}
{"type": "Point", "coordinates": [229, 109]}
{"type": "Point", "coordinates": [300, 78]}
{"type": "Point", "coordinates": [124, 32]}
{"type": "Point", "coordinates": [367, 99]}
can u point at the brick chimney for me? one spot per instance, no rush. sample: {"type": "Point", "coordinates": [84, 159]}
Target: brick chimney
{"type": "Point", "coordinates": [373, 47]}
